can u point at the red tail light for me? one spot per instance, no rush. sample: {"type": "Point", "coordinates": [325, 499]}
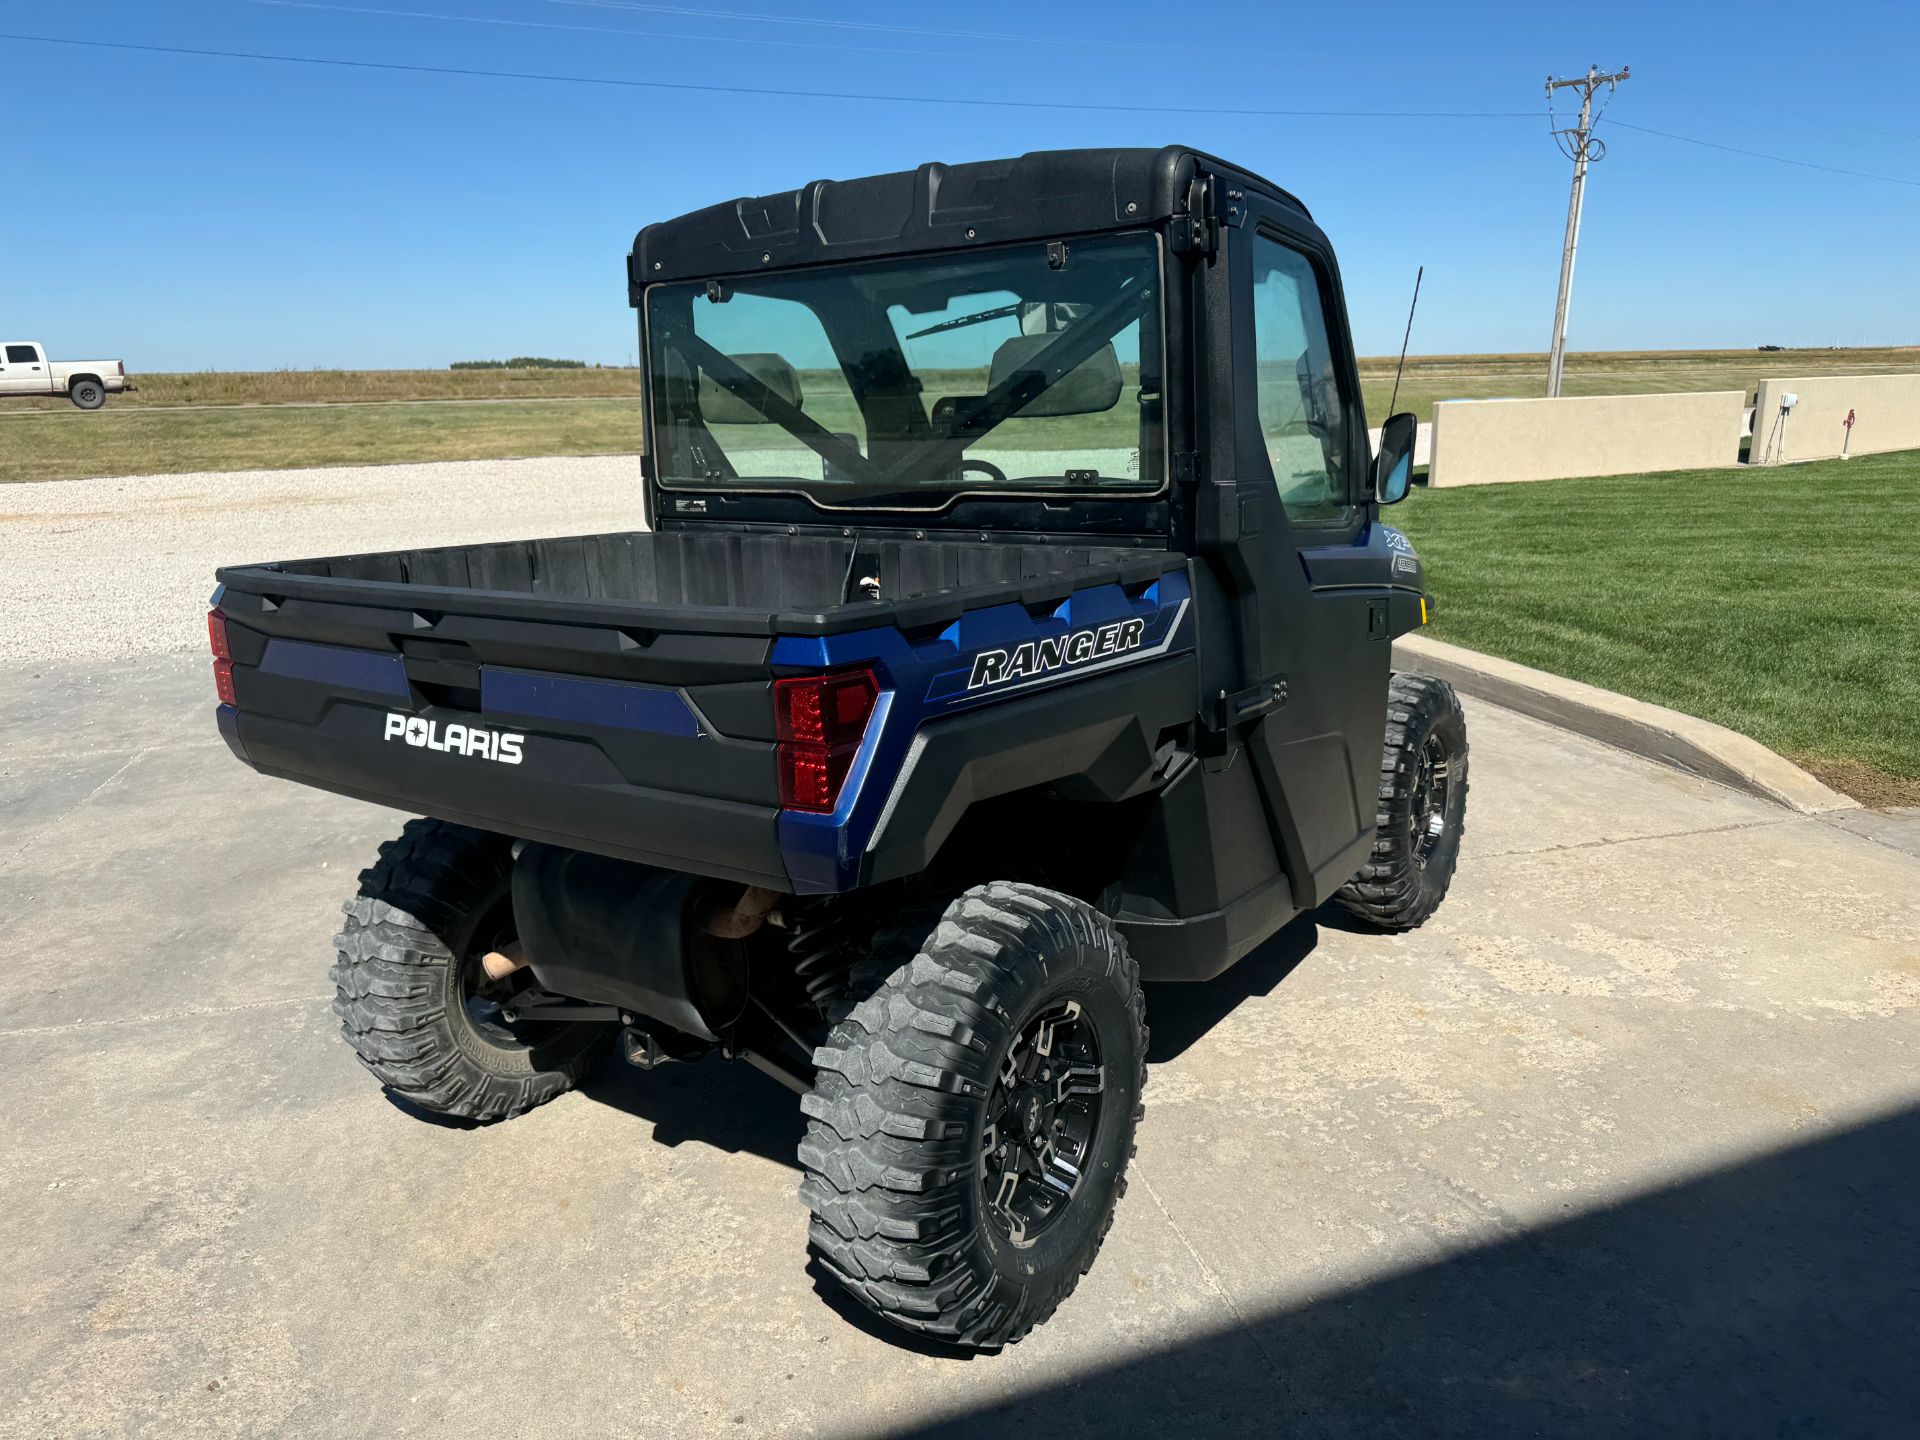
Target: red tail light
{"type": "Point", "coordinates": [222, 656]}
{"type": "Point", "coordinates": [820, 721]}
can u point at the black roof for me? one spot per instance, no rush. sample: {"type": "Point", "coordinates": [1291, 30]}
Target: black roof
{"type": "Point", "coordinates": [1041, 194]}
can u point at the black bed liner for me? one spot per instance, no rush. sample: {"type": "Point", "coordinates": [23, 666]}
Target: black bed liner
{"type": "Point", "coordinates": [706, 582]}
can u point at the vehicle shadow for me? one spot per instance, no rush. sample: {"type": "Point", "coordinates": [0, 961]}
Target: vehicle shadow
{"type": "Point", "coordinates": [425, 1116]}
{"type": "Point", "coordinates": [731, 1107]}
{"type": "Point", "coordinates": [1180, 1013]}
{"type": "Point", "coordinates": [1775, 1296]}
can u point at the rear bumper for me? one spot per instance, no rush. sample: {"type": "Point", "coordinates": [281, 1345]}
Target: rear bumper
{"type": "Point", "coordinates": [566, 790]}
{"type": "Point", "coordinates": [565, 784]}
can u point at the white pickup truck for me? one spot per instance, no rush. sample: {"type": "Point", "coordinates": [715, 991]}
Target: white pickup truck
{"type": "Point", "coordinates": [25, 370]}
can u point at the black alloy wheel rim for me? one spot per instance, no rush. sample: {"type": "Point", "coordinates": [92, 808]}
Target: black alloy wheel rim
{"type": "Point", "coordinates": [1042, 1118]}
{"type": "Point", "coordinates": [1432, 789]}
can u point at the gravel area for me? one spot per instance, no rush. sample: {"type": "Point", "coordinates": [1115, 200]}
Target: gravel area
{"type": "Point", "coordinates": [102, 569]}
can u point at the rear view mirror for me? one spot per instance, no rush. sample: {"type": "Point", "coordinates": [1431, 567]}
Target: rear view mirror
{"type": "Point", "coordinates": [1393, 466]}
{"type": "Point", "coordinates": [720, 406]}
{"type": "Point", "coordinates": [1089, 388]}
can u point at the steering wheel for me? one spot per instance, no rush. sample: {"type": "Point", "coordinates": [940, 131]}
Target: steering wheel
{"type": "Point", "coordinates": [988, 468]}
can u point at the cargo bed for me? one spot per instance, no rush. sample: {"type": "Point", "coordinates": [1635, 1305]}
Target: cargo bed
{"type": "Point", "coordinates": [716, 583]}
{"type": "Point", "coordinates": [614, 692]}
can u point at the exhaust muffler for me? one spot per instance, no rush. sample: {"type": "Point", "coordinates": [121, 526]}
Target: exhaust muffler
{"type": "Point", "coordinates": [648, 941]}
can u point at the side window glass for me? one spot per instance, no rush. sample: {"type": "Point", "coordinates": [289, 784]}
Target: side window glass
{"type": "Point", "coordinates": [21, 355]}
{"type": "Point", "coordinates": [1302, 419]}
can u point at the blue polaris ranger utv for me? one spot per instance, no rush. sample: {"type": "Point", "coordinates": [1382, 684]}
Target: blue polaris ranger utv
{"type": "Point", "coordinates": [1011, 624]}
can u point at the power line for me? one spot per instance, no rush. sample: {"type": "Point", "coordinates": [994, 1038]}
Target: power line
{"type": "Point", "coordinates": [1761, 155]}
{"type": "Point", "coordinates": [629, 84]}
{"type": "Point", "coordinates": [836, 24]}
{"type": "Point", "coordinates": [562, 79]}
{"type": "Point", "coordinates": [838, 47]}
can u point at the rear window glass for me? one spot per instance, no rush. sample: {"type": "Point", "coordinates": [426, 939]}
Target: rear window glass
{"type": "Point", "coordinates": [1018, 370]}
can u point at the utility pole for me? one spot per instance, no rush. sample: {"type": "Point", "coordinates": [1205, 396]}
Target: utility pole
{"type": "Point", "coordinates": [1578, 145]}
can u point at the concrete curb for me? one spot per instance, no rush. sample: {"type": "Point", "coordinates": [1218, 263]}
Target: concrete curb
{"type": "Point", "coordinates": [1683, 742]}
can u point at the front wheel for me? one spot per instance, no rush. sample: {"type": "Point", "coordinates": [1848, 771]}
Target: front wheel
{"type": "Point", "coordinates": [413, 999]}
{"type": "Point", "coordinates": [1423, 807]}
{"type": "Point", "coordinates": [87, 394]}
{"type": "Point", "coordinates": [974, 1115]}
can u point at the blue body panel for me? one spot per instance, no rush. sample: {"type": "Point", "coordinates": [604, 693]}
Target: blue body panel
{"type": "Point", "coordinates": [527, 694]}
{"type": "Point", "coordinates": [621, 704]}
{"type": "Point", "coordinates": [340, 665]}
{"type": "Point", "coordinates": [1378, 555]}
{"type": "Point", "coordinates": [925, 681]}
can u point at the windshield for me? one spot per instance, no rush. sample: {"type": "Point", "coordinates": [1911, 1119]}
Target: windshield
{"type": "Point", "coordinates": [1031, 369]}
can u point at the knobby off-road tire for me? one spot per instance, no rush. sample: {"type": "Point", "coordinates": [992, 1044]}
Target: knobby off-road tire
{"type": "Point", "coordinates": [1423, 807]}
{"type": "Point", "coordinates": [87, 394]}
{"type": "Point", "coordinates": [896, 1173]}
{"type": "Point", "coordinates": [411, 997]}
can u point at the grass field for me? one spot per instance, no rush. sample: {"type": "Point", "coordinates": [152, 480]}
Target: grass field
{"type": "Point", "coordinates": [1779, 602]}
{"type": "Point", "coordinates": [150, 442]}
{"type": "Point", "coordinates": [595, 410]}
{"type": "Point", "coordinates": [288, 387]}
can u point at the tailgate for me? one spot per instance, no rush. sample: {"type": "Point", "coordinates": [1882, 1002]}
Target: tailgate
{"type": "Point", "coordinates": [652, 745]}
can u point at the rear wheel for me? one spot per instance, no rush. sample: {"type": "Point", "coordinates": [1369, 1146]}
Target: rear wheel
{"type": "Point", "coordinates": [413, 998]}
{"type": "Point", "coordinates": [1423, 807]}
{"type": "Point", "coordinates": [974, 1115]}
{"type": "Point", "coordinates": [87, 394]}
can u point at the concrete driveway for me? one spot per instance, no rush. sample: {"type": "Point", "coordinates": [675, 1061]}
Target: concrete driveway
{"type": "Point", "coordinates": [1624, 1141]}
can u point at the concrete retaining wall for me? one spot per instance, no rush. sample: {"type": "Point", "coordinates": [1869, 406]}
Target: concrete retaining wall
{"type": "Point", "coordinates": [1886, 417]}
{"type": "Point", "coordinates": [1483, 442]}
{"type": "Point", "coordinates": [1422, 442]}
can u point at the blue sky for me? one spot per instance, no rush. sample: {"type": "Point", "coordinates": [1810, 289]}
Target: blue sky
{"type": "Point", "coordinates": [202, 213]}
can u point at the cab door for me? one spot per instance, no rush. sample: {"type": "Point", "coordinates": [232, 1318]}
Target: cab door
{"type": "Point", "coordinates": [24, 371]}
{"type": "Point", "coordinates": [1313, 629]}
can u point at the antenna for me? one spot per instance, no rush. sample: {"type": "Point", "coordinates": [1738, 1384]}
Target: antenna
{"type": "Point", "coordinates": [1419, 275]}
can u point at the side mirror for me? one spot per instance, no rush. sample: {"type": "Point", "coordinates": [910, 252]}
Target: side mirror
{"type": "Point", "coordinates": [1393, 466]}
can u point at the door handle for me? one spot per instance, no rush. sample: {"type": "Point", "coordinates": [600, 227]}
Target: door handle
{"type": "Point", "coordinates": [1249, 704]}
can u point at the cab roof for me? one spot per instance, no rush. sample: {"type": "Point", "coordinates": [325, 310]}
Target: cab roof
{"type": "Point", "coordinates": [1039, 195]}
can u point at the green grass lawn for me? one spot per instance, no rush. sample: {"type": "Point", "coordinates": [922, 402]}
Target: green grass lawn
{"type": "Point", "coordinates": [1783, 603]}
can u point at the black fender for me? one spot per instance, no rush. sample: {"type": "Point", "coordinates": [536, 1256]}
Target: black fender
{"type": "Point", "coordinates": [1093, 739]}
